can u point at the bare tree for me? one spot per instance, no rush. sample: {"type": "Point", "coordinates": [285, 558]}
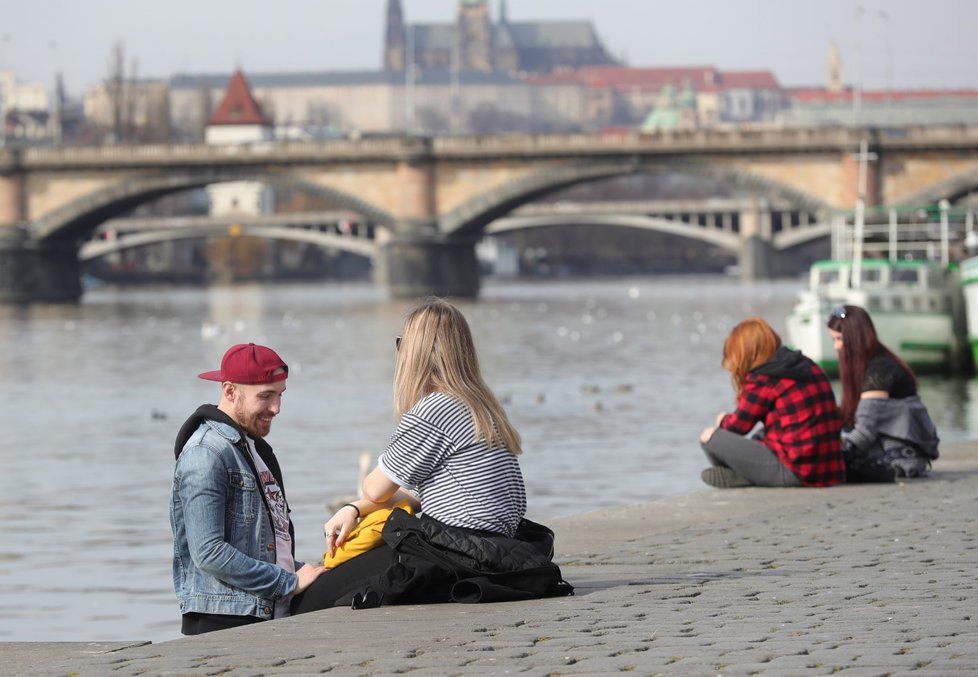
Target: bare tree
{"type": "Point", "coordinates": [205, 107]}
{"type": "Point", "coordinates": [129, 121]}
{"type": "Point", "coordinates": [116, 86]}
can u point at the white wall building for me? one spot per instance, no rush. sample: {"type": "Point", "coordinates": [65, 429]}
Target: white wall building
{"type": "Point", "coordinates": [239, 120]}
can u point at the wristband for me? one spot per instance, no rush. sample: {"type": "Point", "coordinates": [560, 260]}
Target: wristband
{"type": "Point", "coordinates": [352, 506]}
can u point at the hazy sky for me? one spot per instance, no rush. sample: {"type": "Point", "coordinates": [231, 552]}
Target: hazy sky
{"type": "Point", "coordinates": [933, 43]}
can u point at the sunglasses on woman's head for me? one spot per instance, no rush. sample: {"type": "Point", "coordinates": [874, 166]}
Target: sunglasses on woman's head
{"type": "Point", "coordinates": [839, 312]}
{"type": "Point", "coordinates": [397, 343]}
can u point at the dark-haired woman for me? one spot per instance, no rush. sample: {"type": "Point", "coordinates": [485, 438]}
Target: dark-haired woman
{"type": "Point", "coordinates": [887, 430]}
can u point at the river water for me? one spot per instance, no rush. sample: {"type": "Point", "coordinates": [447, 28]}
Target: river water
{"type": "Point", "coordinates": [609, 383]}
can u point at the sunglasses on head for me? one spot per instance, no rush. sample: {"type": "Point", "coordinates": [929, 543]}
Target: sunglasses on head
{"type": "Point", "coordinates": [839, 312]}
{"type": "Point", "coordinates": [397, 343]}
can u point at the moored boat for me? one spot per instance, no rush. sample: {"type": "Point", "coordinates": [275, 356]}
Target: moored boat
{"type": "Point", "coordinates": [969, 285]}
{"type": "Point", "coordinates": [900, 272]}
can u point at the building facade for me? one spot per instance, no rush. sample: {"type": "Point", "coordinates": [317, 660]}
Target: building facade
{"type": "Point", "coordinates": [239, 120]}
{"type": "Point", "coordinates": [474, 42]}
{"type": "Point", "coordinates": [321, 105]}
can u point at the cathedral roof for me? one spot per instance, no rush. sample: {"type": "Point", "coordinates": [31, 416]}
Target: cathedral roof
{"type": "Point", "coordinates": [526, 35]}
{"type": "Point", "coordinates": [554, 34]}
{"type": "Point", "coordinates": [238, 107]}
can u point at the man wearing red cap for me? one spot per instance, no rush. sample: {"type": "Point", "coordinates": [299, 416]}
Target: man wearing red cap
{"type": "Point", "coordinates": [234, 544]}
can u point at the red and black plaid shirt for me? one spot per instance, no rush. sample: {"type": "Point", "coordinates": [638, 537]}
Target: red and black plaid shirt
{"type": "Point", "coordinates": [801, 424]}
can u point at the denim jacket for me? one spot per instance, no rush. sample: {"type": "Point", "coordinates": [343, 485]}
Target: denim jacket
{"type": "Point", "coordinates": [223, 540]}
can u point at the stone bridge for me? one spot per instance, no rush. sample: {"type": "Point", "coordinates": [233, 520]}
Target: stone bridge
{"type": "Point", "coordinates": [434, 198]}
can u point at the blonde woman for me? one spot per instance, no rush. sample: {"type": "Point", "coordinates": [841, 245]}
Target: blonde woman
{"type": "Point", "coordinates": [456, 450]}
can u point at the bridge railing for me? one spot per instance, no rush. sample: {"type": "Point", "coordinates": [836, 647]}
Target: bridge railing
{"type": "Point", "coordinates": [736, 139]}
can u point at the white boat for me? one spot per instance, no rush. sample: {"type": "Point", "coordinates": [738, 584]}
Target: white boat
{"type": "Point", "coordinates": [969, 282]}
{"type": "Point", "coordinates": [900, 272]}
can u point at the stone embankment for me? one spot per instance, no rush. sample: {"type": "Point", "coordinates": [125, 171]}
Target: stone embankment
{"type": "Point", "coordinates": [862, 580]}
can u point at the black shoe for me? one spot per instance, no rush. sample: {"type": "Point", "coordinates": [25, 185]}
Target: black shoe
{"type": "Point", "coordinates": [723, 478]}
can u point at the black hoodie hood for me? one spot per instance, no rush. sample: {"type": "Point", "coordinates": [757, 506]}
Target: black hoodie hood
{"type": "Point", "coordinates": [786, 363]}
{"type": "Point", "coordinates": [205, 412]}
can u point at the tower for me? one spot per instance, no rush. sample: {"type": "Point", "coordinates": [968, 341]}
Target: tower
{"type": "Point", "coordinates": [833, 70]}
{"type": "Point", "coordinates": [394, 39]}
{"type": "Point", "coordinates": [473, 35]}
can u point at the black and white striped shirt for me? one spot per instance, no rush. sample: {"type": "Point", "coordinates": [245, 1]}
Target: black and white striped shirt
{"type": "Point", "coordinates": [460, 481]}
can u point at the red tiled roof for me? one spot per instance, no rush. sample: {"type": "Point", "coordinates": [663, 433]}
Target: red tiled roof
{"type": "Point", "coordinates": [238, 107]}
{"type": "Point", "coordinates": [749, 80]}
{"type": "Point", "coordinates": [699, 78]}
{"type": "Point", "coordinates": [818, 94]}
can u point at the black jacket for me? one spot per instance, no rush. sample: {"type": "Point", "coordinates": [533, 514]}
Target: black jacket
{"type": "Point", "coordinates": [434, 562]}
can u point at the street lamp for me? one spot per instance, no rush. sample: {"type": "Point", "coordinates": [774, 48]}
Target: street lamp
{"type": "Point", "coordinates": [888, 59]}
{"type": "Point", "coordinates": [857, 95]}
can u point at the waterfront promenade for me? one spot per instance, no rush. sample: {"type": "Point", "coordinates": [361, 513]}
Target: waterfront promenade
{"type": "Point", "coordinates": [862, 580]}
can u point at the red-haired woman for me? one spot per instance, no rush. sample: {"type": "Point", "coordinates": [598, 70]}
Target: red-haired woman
{"type": "Point", "coordinates": [791, 396]}
{"type": "Point", "coordinates": [888, 432]}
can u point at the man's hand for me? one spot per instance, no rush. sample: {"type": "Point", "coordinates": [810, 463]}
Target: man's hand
{"type": "Point", "coordinates": [306, 574]}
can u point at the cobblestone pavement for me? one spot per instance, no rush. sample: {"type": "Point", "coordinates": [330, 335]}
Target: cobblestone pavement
{"type": "Point", "coordinates": [862, 580]}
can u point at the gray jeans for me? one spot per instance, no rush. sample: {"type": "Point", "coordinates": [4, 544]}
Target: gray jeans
{"type": "Point", "coordinates": [750, 459]}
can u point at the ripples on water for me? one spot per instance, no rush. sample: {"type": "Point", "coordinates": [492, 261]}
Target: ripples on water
{"type": "Point", "coordinates": [609, 383]}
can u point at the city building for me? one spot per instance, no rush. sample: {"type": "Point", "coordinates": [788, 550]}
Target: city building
{"type": "Point", "coordinates": [239, 120]}
{"type": "Point", "coordinates": [817, 107]}
{"type": "Point", "coordinates": [317, 105]}
{"type": "Point", "coordinates": [25, 96]}
{"type": "Point", "coordinates": [24, 111]}
{"type": "Point", "coordinates": [128, 110]}
{"type": "Point", "coordinates": [476, 43]}
{"type": "Point", "coordinates": [672, 98]}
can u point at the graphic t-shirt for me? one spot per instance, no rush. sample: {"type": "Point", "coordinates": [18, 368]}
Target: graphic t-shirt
{"type": "Point", "coordinates": [280, 523]}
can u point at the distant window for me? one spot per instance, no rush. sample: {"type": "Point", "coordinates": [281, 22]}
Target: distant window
{"type": "Point", "coordinates": [905, 275]}
{"type": "Point", "coordinates": [871, 274]}
{"type": "Point", "coordinates": [828, 276]}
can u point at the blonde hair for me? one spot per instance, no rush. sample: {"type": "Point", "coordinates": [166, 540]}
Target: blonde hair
{"type": "Point", "coordinates": [750, 344]}
{"type": "Point", "coordinates": [437, 354]}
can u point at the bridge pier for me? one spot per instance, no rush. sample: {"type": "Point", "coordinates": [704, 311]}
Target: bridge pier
{"type": "Point", "coordinates": [416, 266]}
{"type": "Point", "coordinates": [756, 259]}
{"type": "Point", "coordinates": [32, 272]}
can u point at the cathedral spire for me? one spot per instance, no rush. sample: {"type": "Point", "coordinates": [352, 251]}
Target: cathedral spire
{"type": "Point", "coordinates": [394, 40]}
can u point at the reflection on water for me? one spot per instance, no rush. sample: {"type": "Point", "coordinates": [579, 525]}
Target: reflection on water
{"type": "Point", "coordinates": [609, 383]}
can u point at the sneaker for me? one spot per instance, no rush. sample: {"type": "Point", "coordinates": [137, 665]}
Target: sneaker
{"type": "Point", "coordinates": [723, 478]}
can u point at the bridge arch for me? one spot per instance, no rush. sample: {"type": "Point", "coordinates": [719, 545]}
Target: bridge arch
{"type": "Point", "coordinates": [725, 240]}
{"type": "Point", "coordinates": [81, 216]}
{"type": "Point", "coordinates": [951, 189]}
{"type": "Point", "coordinates": [359, 246]}
{"type": "Point", "coordinates": [473, 216]}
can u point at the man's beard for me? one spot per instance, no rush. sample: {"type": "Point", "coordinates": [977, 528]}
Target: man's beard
{"type": "Point", "coordinates": [252, 425]}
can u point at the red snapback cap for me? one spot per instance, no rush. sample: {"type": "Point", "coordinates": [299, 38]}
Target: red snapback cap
{"type": "Point", "coordinates": [249, 364]}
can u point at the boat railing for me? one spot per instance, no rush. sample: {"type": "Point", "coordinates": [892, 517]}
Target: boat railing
{"type": "Point", "coordinates": [900, 233]}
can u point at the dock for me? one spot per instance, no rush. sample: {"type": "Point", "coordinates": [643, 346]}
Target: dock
{"type": "Point", "coordinates": [856, 579]}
